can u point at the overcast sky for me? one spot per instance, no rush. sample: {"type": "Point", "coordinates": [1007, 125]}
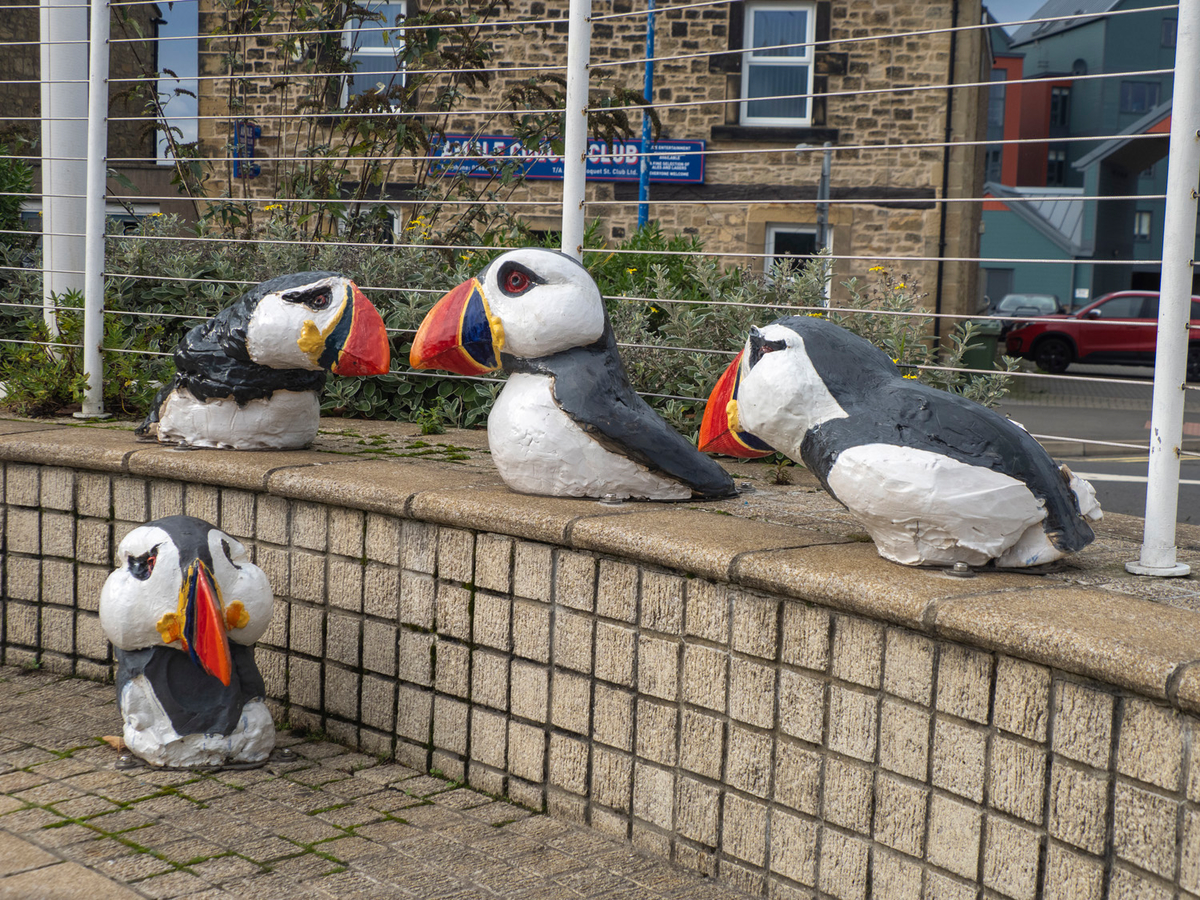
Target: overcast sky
{"type": "Point", "coordinates": [1013, 10]}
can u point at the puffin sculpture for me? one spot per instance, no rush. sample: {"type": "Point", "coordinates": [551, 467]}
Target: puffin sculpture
{"type": "Point", "coordinates": [250, 377]}
{"type": "Point", "coordinates": [935, 478]}
{"type": "Point", "coordinates": [183, 611]}
{"type": "Point", "coordinates": [567, 422]}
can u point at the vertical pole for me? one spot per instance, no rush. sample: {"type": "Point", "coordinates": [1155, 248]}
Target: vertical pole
{"type": "Point", "coordinates": [648, 93]}
{"type": "Point", "coordinates": [97, 177]}
{"type": "Point", "coordinates": [823, 198]}
{"type": "Point", "coordinates": [1174, 307]}
{"type": "Point", "coordinates": [579, 51]}
{"type": "Point", "coordinates": [64, 32]}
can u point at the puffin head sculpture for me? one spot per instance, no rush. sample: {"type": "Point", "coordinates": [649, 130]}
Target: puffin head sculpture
{"type": "Point", "coordinates": [249, 377]}
{"type": "Point", "coordinates": [183, 610]}
{"type": "Point", "coordinates": [567, 422]}
{"type": "Point", "coordinates": [935, 478]}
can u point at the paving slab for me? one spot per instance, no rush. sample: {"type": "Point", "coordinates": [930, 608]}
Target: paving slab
{"type": "Point", "coordinates": [280, 832]}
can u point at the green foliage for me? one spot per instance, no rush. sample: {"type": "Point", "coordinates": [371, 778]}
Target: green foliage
{"type": "Point", "coordinates": [882, 312]}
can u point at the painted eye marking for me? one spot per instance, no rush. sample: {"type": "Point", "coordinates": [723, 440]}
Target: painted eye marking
{"type": "Point", "coordinates": [516, 279]}
{"type": "Point", "coordinates": [141, 566]}
{"type": "Point", "coordinates": [313, 298]}
{"type": "Point", "coordinates": [228, 553]}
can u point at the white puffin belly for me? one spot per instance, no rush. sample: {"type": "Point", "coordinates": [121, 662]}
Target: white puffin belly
{"type": "Point", "coordinates": [287, 420]}
{"type": "Point", "coordinates": [924, 508]}
{"type": "Point", "coordinates": [538, 449]}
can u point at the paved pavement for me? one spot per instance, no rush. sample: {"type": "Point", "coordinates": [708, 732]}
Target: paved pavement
{"type": "Point", "coordinates": [331, 823]}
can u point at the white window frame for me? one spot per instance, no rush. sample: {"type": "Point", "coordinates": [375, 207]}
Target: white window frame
{"type": "Point", "coordinates": [350, 32]}
{"type": "Point", "coordinates": [749, 59]}
{"type": "Point", "coordinates": [770, 257]}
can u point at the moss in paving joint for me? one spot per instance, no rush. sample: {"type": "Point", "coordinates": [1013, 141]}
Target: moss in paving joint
{"type": "Point", "coordinates": [317, 812]}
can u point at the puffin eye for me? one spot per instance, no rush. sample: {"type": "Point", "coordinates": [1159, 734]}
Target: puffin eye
{"type": "Point", "coordinates": [516, 281]}
{"type": "Point", "coordinates": [320, 301]}
{"type": "Point", "coordinates": [141, 566]}
{"type": "Point", "coordinates": [228, 553]}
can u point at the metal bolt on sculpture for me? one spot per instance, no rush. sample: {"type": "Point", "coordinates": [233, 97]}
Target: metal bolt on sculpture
{"type": "Point", "coordinates": [183, 611]}
{"type": "Point", "coordinates": [567, 422]}
{"type": "Point", "coordinates": [936, 479]}
{"type": "Point", "coordinates": [250, 377]}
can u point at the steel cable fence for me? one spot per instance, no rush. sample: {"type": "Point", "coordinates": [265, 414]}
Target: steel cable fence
{"type": "Point", "coordinates": [906, 193]}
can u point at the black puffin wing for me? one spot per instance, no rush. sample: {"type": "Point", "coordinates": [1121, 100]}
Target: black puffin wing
{"type": "Point", "coordinates": [590, 386]}
{"type": "Point", "coordinates": [929, 419]}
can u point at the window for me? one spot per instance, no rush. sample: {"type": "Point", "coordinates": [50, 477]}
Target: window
{"type": "Point", "coordinates": [1148, 172]}
{"type": "Point", "coordinates": [178, 62]}
{"type": "Point", "coordinates": [793, 244]}
{"type": "Point", "coordinates": [1128, 307]}
{"type": "Point", "coordinates": [776, 75]}
{"type": "Point", "coordinates": [1143, 220]}
{"type": "Point", "coordinates": [1056, 167]}
{"type": "Point", "coordinates": [1060, 107]}
{"type": "Point", "coordinates": [1169, 28]}
{"type": "Point", "coordinates": [374, 46]}
{"type": "Point", "coordinates": [1138, 96]}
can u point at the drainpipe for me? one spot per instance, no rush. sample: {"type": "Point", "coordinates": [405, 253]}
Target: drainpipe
{"type": "Point", "coordinates": [648, 93]}
{"type": "Point", "coordinates": [941, 266]}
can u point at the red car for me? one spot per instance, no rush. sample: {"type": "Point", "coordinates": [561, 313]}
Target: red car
{"type": "Point", "coordinates": [1118, 329]}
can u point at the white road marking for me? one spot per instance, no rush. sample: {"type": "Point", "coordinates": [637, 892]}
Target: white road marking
{"type": "Point", "coordinates": [1139, 479]}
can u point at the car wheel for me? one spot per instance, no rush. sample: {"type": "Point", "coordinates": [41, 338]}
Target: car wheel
{"type": "Point", "coordinates": [1193, 362]}
{"type": "Point", "coordinates": [1053, 355]}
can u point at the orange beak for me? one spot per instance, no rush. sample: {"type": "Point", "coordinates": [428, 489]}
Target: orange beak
{"type": "Point", "coordinates": [204, 634]}
{"type": "Point", "coordinates": [459, 334]}
{"type": "Point", "coordinates": [719, 430]}
{"type": "Point", "coordinates": [359, 341]}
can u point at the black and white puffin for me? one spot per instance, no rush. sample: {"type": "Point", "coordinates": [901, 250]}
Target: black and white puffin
{"type": "Point", "coordinates": [250, 377]}
{"type": "Point", "coordinates": [183, 610]}
{"type": "Point", "coordinates": [935, 478]}
{"type": "Point", "coordinates": [567, 422]}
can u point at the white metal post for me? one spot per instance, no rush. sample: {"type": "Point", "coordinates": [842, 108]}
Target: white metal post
{"type": "Point", "coordinates": [575, 137]}
{"type": "Point", "coordinates": [1174, 307]}
{"type": "Point", "coordinates": [97, 177]}
{"type": "Point", "coordinates": [64, 32]}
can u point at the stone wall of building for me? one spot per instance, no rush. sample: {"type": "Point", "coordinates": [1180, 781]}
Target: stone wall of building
{"type": "Point", "coordinates": [779, 743]}
{"type": "Point", "coordinates": [885, 201]}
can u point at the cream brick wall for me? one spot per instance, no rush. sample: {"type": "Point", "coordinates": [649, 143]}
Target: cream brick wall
{"type": "Point", "coordinates": [781, 746]}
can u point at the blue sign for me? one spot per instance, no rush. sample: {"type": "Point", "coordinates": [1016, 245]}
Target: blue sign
{"type": "Point", "coordinates": [681, 162]}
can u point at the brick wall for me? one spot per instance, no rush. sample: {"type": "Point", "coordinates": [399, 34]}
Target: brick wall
{"type": "Point", "coordinates": [780, 745]}
{"type": "Point", "coordinates": [747, 172]}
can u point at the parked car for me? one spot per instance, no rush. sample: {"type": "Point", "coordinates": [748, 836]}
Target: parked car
{"type": "Point", "coordinates": [1012, 307]}
{"type": "Point", "coordinates": [1118, 329]}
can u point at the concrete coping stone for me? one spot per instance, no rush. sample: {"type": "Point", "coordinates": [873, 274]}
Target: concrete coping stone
{"type": "Point", "coordinates": [1087, 617]}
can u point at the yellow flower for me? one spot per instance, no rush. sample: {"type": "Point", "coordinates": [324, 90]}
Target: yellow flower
{"type": "Point", "coordinates": [913, 377]}
{"type": "Point", "coordinates": [272, 206]}
{"type": "Point", "coordinates": [900, 285]}
{"type": "Point", "coordinates": [877, 269]}
{"type": "Point", "coordinates": [155, 215]}
{"type": "Point", "coordinates": [631, 271]}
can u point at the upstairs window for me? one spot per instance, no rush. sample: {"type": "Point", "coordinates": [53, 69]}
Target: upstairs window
{"type": "Point", "coordinates": [1138, 96]}
{"type": "Point", "coordinates": [1060, 107]}
{"type": "Point", "coordinates": [777, 67]}
{"type": "Point", "coordinates": [373, 49]}
{"type": "Point", "coordinates": [1056, 167]}
{"type": "Point", "coordinates": [1143, 221]}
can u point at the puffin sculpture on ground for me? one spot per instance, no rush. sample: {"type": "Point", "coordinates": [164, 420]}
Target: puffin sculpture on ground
{"type": "Point", "coordinates": [250, 377]}
{"type": "Point", "coordinates": [567, 422]}
{"type": "Point", "coordinates": [183, 611]}
{"type": "Point", "coordinates": [935, 478]}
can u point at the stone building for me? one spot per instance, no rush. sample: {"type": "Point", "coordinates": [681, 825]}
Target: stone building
{"type": "Point", "coordinates": [835, 82]}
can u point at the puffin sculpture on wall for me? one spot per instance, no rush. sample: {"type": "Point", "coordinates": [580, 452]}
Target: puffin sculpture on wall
{"type": "Point", "coordinates": [567, 422]}
{"type": "Point", "coordinates": [935, 478]}
{"type": "Point", "coordinates": [183, 610]}
{"type": "Point", "coordinates": [250, 377]}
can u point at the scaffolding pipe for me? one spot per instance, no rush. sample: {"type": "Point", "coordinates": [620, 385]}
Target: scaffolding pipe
{"type": "Point", "coordinates": [64, 28]}
{"type": "Point", "coordinates": [97, 176]}
{"type": "Point", "coordinates": [1174, 308]}
{"type": "Point", "coordinates": [575, 137]}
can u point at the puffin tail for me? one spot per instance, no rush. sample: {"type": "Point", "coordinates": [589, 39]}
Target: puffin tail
{"type": "Point", "coordinates": [144, 430]}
